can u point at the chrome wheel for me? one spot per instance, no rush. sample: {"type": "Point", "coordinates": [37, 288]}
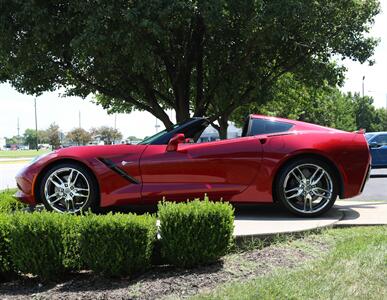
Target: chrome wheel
{"type": "Point", "coordinates": [308, 188]}
{"type": "Point", "coordinates": [67, 190]}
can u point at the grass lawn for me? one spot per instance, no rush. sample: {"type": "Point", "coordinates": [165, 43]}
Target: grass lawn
{"type": "Point", "coordinates": [354, 268]}
{"type": "Point", "coordinates": [21, 153]}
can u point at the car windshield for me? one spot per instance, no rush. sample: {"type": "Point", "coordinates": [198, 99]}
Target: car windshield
{"type": "Point", "coordinates": [150, 139]}
{"type": "Point", "coordinates": [369, 136]}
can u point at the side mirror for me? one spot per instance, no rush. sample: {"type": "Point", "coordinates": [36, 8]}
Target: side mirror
{"type": "Point", "coordinates": [189, 141]}
{"type": "Point", "coordinates": [374, 145]}
{"type": "Point", "coordinates": [175, 141]}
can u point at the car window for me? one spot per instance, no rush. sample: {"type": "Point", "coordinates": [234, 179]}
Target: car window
{"type": "Point", "coordinates": [380, 139]}
{"type": "Point", "coordinates": [369, 136]}
{"type": "Point", "coordinates": [210, 134]}
{"type": "Point", "coordinates": [262, 126]}
{"type": "Point", "coordinates": [149, 140]}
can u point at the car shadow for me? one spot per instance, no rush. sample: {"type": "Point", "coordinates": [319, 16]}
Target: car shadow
{"type": "Point", "coordinates": [245, 212]}
{"type": "Point", "coordinates": [350, 212]}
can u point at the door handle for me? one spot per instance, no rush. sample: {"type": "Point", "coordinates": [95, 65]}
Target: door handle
{"type": "Point", "coordinates": [124, 163]}
{"type": "Point", "coordinates": [263, 140]}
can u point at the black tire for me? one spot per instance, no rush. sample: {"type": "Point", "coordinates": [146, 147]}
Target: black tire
{"type": "Point", "coordinates": [84, 180]}
{"type": "Point", "coordinates": [298, 205]}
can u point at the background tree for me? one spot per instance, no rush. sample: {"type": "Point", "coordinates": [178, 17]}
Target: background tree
{"type": "Point", "coordinates": [53, 134]}
{"type": "Point", "coordinates": [365, 111]}
{"type": "Point", "coordinates": [79, 136]}
{"type": "Point", "coordinates": [29, 138]}
{"type": "Point", "coordinates": [199, 58]}
{"type": "Point", "coordinates": [293, 99]}
{"type": "Point", "coordinates": [367, 116]}
{"type": "Point", "coordinates": [108, 135]}
{"type": "Point", "coordinates": [380, 123]}
{"type": "Point", "coordinates": [134, 138]}
{"type": "Point", "coordinates": [12, 141]}
{"type": "Point", "coordinates": [325, 105]}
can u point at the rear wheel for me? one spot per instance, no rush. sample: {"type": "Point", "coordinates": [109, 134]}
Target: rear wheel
{"type": "Point", "coordinates": [68, 188]}
{"type": "Point", "coordinates": [307, 187]}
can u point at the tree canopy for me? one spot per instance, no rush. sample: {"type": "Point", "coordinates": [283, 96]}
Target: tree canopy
{"type": "Point", "coordinates": [108, 135]}
{"type": "Point", "coordinates": [204, 57]}
{"type": "Point", "coordinates": [325, 105]}
{"type": "Point", "coordinates": [79, 136]}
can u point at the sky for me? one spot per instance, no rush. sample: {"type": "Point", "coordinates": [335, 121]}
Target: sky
{"type": "Point", "coordinates": [51, 107]}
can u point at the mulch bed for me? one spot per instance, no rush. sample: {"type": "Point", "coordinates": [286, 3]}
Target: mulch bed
{"type": "Point", "coordinates": [163, 281]}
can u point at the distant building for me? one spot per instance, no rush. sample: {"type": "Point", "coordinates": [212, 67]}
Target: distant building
{"type": "Point", "coordinates": [210, 134]}
{"type": "Point", "coordinates": [97, 140]}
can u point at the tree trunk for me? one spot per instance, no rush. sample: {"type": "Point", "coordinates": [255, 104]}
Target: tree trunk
{"type": "Point", "coordinates": [163, 117]}
{"type": "Point", "coordinates": [223, 125]}
{"type": "Point", "coordinates": [182, 102]}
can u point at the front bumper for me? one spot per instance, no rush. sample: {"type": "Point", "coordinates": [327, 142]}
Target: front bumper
{"type": "Point", "coordinates": [25, 183]}
{"type": "Point", "coordinates": [25, 198]}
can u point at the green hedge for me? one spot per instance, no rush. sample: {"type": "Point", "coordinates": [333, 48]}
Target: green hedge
{"type": "Point", "coordinates": [47, 244]}
{"type": "Point", "coordinates": [6, 268]}
{"type": "Point", "coordinates": [36, 244]}
{"type": "Point", "coordinates": [119, 244]}
{"type": "Point", "coordinates": [8, 203]}
{"type": "Point", "coordinates": [71, 242]}
{"type": "Point", "coordinates": [196, 232]}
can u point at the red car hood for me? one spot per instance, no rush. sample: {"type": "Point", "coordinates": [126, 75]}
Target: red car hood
{"type": "Point", "coordinates": [97, 151]}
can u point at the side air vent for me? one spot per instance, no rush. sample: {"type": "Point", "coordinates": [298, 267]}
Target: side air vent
{"type": "Point", "coordinates": [118, 170]}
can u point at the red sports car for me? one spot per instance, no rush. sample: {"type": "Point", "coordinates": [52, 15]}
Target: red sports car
{"type": "Point", "coordinates": [301, 165]}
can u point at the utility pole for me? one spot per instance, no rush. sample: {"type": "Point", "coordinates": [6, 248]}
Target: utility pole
{"type": "Point", "coordinates": [79, 118]}
{"type": "Point", "coordinates": [362, 86]}
{"type": "Point", "coordinates": [157, 126]}
{"type": "Point", "coordinates": [36, 126]}
{"type": "Point", "coordinates": [115, 122]}
{"type": "Point", "coordinates": [18, 131]}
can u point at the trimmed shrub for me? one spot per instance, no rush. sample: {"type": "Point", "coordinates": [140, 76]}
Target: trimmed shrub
{"type": "Point", "coordinates": [196, 232]}
{"type": "Point", "coordinates": [119, 244]}
{"type": "Point", "coordinates": [8, 203]}
{"type": "Point", "coordinates": [71, 242]}
{"type": "Point", "coordinates": [36, 244]}
{"type": "Point", "coordinates": [6, 267]}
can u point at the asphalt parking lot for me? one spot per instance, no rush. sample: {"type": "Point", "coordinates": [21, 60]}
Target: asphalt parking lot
{"type": "Point", "coordinates": [375, 189]}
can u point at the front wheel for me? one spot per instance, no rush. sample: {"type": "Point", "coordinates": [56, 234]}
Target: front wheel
{"type": "Point", "coordinates": [68, 188]}
{"type": "Point", "coordinates": [307, 187]}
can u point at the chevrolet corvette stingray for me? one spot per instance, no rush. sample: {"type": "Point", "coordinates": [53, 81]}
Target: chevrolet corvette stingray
{"type": "Point", "coordinates": [303, 166]}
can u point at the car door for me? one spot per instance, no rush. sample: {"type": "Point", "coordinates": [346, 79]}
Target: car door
{"type": "Point", "coordinates": [220, 169]}
{"type": "Point", "coordinates": [378, 147]}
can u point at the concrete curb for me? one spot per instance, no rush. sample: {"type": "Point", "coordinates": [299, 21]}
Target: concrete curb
{"type": "Point", "coordinates": [366, 214]}
{"type": "Point", "coordinates": [338, 216]}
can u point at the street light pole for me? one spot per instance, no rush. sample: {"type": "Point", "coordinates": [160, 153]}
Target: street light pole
{"type": "Point", "coordinates": [36, 126]}
{"type": "Point", "coordinates": [18, 131]}
{"type": "Point", "coordinates": [362, 86]}
{"type": "Point", "coordinates": [157, 126]}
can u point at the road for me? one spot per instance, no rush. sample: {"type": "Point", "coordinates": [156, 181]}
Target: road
{"type": "Point", "coordinates": [8, 172]}
{"type": "Point", "coordinates": [375, 189]}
